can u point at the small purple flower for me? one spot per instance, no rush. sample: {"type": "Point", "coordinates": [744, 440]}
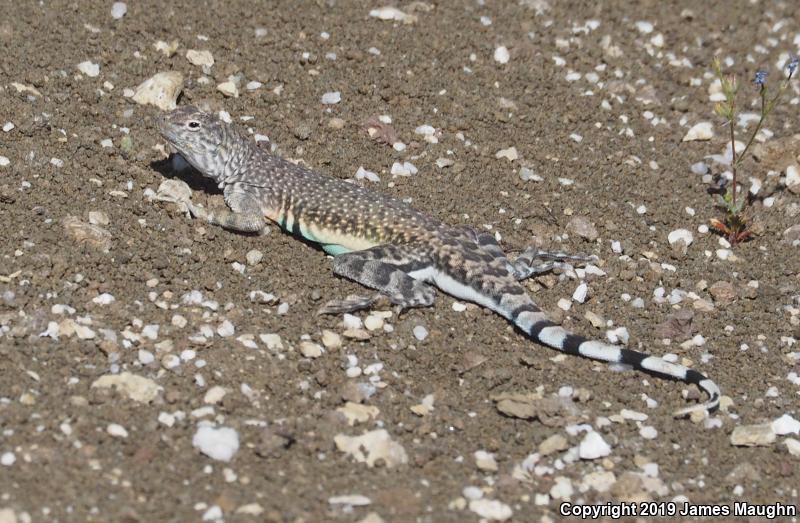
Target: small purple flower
{"type": "Point", "coordinates": [761, 78]}
{"type": "Point", "coordinates": [793, 65]}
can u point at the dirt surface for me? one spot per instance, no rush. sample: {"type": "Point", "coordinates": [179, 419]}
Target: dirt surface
{"type": "Point", "coordinates": [594, 104]}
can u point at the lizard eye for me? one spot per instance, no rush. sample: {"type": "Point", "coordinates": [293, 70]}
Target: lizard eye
{"type": "Point", "coordinates": [193, 125]}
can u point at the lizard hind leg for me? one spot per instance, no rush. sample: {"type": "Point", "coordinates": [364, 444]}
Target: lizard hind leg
{"type": "Point", "coordinates": [387, 269]}
{"type": "Point", "coordinates": [536, 261]}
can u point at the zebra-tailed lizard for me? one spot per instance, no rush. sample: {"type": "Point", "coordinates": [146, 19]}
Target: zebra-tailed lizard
{"type": "Point", "coordinates": [382, 243]}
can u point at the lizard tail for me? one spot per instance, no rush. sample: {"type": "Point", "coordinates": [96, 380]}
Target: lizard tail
{"type": "Point", "coordinates": [533, 322]}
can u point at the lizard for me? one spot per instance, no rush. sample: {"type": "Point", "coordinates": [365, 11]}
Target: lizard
{"type": "Point", "coordinates": [383, 243]}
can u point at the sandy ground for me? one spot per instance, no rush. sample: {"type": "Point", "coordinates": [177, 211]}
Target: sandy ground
{"type": "Point", "coordinates": [595, 103]}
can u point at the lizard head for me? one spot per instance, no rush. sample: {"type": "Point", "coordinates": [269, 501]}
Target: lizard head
{"type": "Point", "coordinates": [206, 142]}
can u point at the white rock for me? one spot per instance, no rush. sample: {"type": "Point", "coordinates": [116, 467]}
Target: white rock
{"type": "Point", "coordinates": [526, 174]}
{"type": "Point", "coordinates": [135, 387]}
{"type": "Point", "coordinates": [580, 293]}
{"type": "Point", "coordinates": [7, 459]}
{"type": "Point", "coordinates": [166, 419]}
{"type": "Point", "coordinates": [373, 323]}
{"type": "Point", "coordinates": [272, 341]}
{"type": "Point", "coordinates": [350, 321]}
{"type": "Point", "coordinates": [491, 509]}
{"type": "Point", "coordinates": [562, 489]}
{"type": "Point", "coordinates": [509, 154]}
{"type": "Point", "coordinates": [146, 357]}
{"type": "Point", "coordinates": [392, 13]}
{"type": "Point", "coordinates": [161, 89]}
{"type": "Point", "coordinates": [103, 299]}
{"type": "Point", "coordinates": [648, 432]}
{"type": "Point", "coordinates": [793, 178]}
{"type": "Point", "coordinates": [253, 85]}
{"type": "Point", "coordinates": [485, 461]}
{"type": "Point", "coordinates": [657, 40]}
{"type": "Point", "coordinates": [403, 169]}
{"type": "Point", "coordinates": [371, 447]}
{"type": "Point", "coordinates": [425, 130]}
{"type": "Point", "coordinates": [331, 340]}
{"type": "Point", "coordinates": [420, 332]}
{"type": "Point", "coordinates": [355, 500]}
{"type": "Point", "coordinates": [118, 10]}
{"type": "Point", "coordinates": [330, 98]}
{"type": "Point", "coordinates": [117, 430]}
{"type": "Point", "coordinates": [225, 329]}
{"type": "Point", "coordinates": [786, 424]}
{"type": "Point", "coordinates": [501, 55]}
{"type": "Point", "coordinates": [7, 127]}
{"type": "Point", "coordinates": [472, 492]}
{"type": "Point", "coordinates": [214, 395]}
{"type": "Point", "coordinates": [793, 446]}
{"type": "Point", "coordinates": [362, 173]}
{"type": "Point", "coordinates": [700, 131]}
{"type": "Point", "coordinates": [761, 435]}
{"type": "Point", "coordinates": [200, 58]}
{"type": "Point", "coordinates": [251, 509]}
{"type": "Point", "coordinates": [310, 349]}
{"type": "Point", "coordinates": [253, 257]}
{"type": "Point", "coordinates": [4, 161]}
{"type": "Point", "coordinates": [699, 168]}
{"type": "Point", "coordinates": [680, 234]}
{"type": "Point", "coordinates": [618, 335]}
{"type": "Point", "coordinates": [216, 443]}
{"type": "Point", "coordinates": [644, 27]}
{"type": "Point", "coordinates": [150, 331]}
{"type": "Point", "coordinates": [229, 89]}
{"type": "Point", "coordinates": [89, 69]}
{"type": "Point", "coordinates": [593, 446]}
{"type": "Point", "coordinates": [214, 513]}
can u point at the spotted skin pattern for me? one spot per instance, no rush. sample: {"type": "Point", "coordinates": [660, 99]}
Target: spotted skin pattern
{"type": "Point", "coordinates": [384, 244]}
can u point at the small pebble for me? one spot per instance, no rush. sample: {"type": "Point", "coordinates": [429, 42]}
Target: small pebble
{"type": "Point", "coordinates": [116, 430]}
{"type": "Point", "coordinates": [526, 174]}
{"type": "Point", "coordinates": [225, 329]}
{"type": "Point", "coordinates": [373, 323]}
{"type": "Point", "coordinates": [580, 293]}
{"type": "Point", "coordinates": [217, 443]}
{"type": "Point", "coordinates": [118, 10]}
{"type": "Point", "coordinates": [330, 98]}
{"type": "Point", "coordinates": [501, 55]}
{"type": "Point", "coordinates": [491, 509]}
{"type": "Point", "coordinates": [700, 131]}
{"type": "Point", "coordinates": [310, 349]}
{"type": "Point", "coordinates": [7, 459]}
{"type": "Point", "coordinates": [253, 257]}
{"type": "Point", "coordinates": [593, 446]}
{"type": "Point", "coordinates": [420, 332]}
{"type": "Point", "coordinates": [89, 68]}
{"type": "Point", "coordinates": [200, 58]}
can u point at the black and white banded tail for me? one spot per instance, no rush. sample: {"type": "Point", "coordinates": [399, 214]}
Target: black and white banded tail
{"type": "Point", "coordinates": [531, 320]}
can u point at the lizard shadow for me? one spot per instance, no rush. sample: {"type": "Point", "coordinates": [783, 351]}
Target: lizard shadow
{"type": "Point", "coordinates": [193, 178]}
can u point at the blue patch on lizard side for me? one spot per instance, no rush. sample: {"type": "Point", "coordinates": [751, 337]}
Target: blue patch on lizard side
{"type": "Point", "coordinates": [334, 249]}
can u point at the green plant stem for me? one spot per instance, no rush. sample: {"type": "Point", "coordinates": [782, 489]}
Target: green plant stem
{"type": "Point", "coordinates": [764, 113]}
{"type": "Point", "coordinates": [733, 159]}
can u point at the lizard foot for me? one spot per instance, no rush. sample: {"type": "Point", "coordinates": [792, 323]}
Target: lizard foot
{"type": "Point", "coordinates": [351, 304]}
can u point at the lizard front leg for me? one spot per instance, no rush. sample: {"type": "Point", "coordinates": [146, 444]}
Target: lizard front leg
{"type": "Point", "coordinates": [245, 213]}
